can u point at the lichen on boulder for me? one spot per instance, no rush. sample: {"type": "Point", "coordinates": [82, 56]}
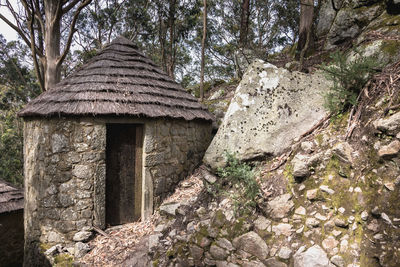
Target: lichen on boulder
{"type": "Point", "coordinates": [271, 107]}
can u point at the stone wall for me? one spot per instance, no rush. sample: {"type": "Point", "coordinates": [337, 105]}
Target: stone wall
{"type": "Point", "coordinates": [172, 149]}
{"type": "Point", "coordinates": [65, 172]}
{"type": "Point", "coordinates": [64, 160]}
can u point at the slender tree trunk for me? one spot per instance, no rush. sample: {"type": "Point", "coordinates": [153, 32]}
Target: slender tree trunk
{"type": "Point", "coordinates": [171, 52]}
{"type": "Point", "coordinates": [244, 23]}
{"type": "Point", "coordinates": [203, 47]}
{"type": "Point", "coordinates": [306, 20]}
{"type": "Point", "coordinates": [52, 41]}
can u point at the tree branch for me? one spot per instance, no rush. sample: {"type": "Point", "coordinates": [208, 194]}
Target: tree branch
{"type": "Point", "coordinates": [72, 31]}
{"type": "Point", "coordinates": [33, 49]}
{"type": "Point", "coordinates": [18, 30]}
{"type": "Point", "coordinates": [67, 8]}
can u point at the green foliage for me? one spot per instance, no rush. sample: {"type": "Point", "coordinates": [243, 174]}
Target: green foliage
{"type": "Point", "coordinates": [11, 145]}
{"type": "Point", "coordinates": [17, 86]}
{"type": "Point", "coordinates": [348, 79]}
{"type": "Point", "coordinates": [241, 176]}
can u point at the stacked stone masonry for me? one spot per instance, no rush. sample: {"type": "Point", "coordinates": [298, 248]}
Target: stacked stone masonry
{"type": "Point", "coordinates": [65, 170]}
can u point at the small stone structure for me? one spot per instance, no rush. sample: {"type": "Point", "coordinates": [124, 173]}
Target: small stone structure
{"type": "Point", "coordinates": [106, 145]}
{"type": "Point", "coordinates": [11, 225]}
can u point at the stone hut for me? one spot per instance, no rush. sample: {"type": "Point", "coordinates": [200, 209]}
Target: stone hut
{"type": "Point", "coordinates": [11, 225]}
{"type": "Point", "coordinates": [106, 145]}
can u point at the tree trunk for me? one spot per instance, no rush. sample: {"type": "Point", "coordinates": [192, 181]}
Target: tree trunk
{"type": "Point", "coordinates": [306, 20]}
{"type": "Point", "coordinates": [52, 41]}
{"type": "Point", "coordinates": [203, 46]}
{"type": "Point", "coordinates": [244, 23]}
{"type": "Point", "coordinates": [171, 52]}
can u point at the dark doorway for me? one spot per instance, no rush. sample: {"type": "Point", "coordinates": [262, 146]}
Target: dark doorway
{"type": "Point", "coordinates": [123, 173]}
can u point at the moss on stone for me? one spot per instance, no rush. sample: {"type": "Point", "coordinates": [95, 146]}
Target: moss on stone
{"type": "Point", "coordinates": [390, 47]}
{"type": "Point", "coordinates": [44, 247]}
{"type": "Point", "coordinates": [63, 260]}
{"type": "Point", "coordinates": [156, 263]}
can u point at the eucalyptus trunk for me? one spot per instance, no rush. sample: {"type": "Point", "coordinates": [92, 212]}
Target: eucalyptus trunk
{"type": "Point", "coordinates": [203, 46]}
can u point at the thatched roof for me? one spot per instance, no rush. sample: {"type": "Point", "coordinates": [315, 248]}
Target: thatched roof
{"type": "Point", "coordinates": [120, 80]}
{"type": "Point", "coordinates": [11, 198]}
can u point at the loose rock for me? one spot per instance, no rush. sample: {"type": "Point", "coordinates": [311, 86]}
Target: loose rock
{"type": "Point", "coordinates": [390, 150]}
{"type": "Point", "coordinates": [315, 256]}
{"type": "Point", "coordinates": [312, 194]}
{"type": "Point", "coordinates": [280, 206]}
{"type": "Point", "coordinates": [285, 253]}
{"type": "Point", "coordinates": [252, 243]}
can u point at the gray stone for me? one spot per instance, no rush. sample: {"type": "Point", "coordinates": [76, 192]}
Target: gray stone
{"type": "Point", "coordinates": [218, 253]}
{"type": "Point", "coordinates": [373, 226]}
{"type": "Point", "coordinates": [386, 218]}
{"type": "Point", "coordinates": [53, 250]}
{"type": "Point", "coordinates": [325, 18]}
{"type": "Point", "coordinates": [364, 215]}
{"type": "Point", "coordinates": [341, 223]}
{"type": "Point", "coordinates": [390, 150]}
{"type": "Point", "coordinates": [272, 262]}
{"type": "Point", "coordinates": [82, 236]}
{"type": "Point", "coordinates": [282, 229]}
{"type": "Point", "coordinates": [348, 24]}
{"type": "Point", "coordinates": [390, 125]}
{"type": "Point", "coordinates": [330, 245]}
{"type": "Point", "coordinates": [315, 256]}
{"type": "Point", "coordinates": [326, 189]}
{"type": "Point", "coordinates": [226, 264]}
{"type": "Point", "coordinates": [280, 206]}
{"type": "Point", "coordinates": [197, 253]}
{"type": "Point", "coordinates": [307, 146]}
{"type": "Point", "coordinates": [312, 194]}
{"type": "Point", "coordinates": [169, 208]}
{"type": "Point", "coordinates": [252, 243]}
{"type": "Point", "coordinates": [300, 166]}
{"type": "Point", "coordinates": [320, 217]}
{"type": "Point", "coordinates": [261, 223]}
{"type": "Point", "coordinates": [285, 253]}
{"type": "Point", "coordinates": [253, 264]}
{"type": "Point", "coordinates": [282, 106]}
{"type": "Point", "coordinates": [82, 171]}
{"type": "Point", "coordinates": [343, 152]}
{"type": "Point", "coordinates": [390, 186]}
{"type": "Point", "coordinates": [81, 249]}
{"type": "Point", "coordinates": [154, 241]}
{"type": "Point", "coordinates": [59, 143]}
{"type": "Point", "coordinates": [312, 222]}
{"type": "Point", "coordinates": [225, 244]}
{"type": "Point", "coordinates": [300, 211]}
{"type": "Point", "coordinates": [338, 261]}
{"type": "Point", "coordinates": [208, 176]}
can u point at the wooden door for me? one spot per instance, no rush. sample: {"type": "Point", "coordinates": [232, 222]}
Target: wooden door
{"type": "Point", "coordinates": [123, 173]}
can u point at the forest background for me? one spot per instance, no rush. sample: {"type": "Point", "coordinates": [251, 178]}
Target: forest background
{"type": "Point", "coordinates": [197, 48]}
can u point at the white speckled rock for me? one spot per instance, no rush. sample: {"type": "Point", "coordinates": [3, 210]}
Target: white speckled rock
{"type": "Point", "coordinates": [271, 107]}
{"type": "Point", "coordinates": [315, 256]}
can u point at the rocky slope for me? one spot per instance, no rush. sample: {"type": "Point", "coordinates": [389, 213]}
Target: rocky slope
{"type": "Point", "coordinates": [328, 201]}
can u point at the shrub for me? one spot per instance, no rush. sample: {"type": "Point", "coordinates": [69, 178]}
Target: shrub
{"type": "Point", "coordinates": [348, 80]}
{"type": "Point", "coordinates": [241, 176]}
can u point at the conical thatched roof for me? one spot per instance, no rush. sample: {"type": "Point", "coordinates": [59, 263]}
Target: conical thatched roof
{"type": "Point", "coordinates": [120, 80]}
{"type": "Point", "coordinates": [11, 198]}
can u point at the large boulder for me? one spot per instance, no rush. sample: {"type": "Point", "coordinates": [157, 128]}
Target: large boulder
{"type": "Point", "coordinates": [350, 22]}
{"type": "Point", "coordinates": [271, 107]}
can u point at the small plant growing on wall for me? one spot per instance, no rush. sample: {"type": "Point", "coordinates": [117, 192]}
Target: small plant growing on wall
{"type": "Point", "coordinates": [348, 79]}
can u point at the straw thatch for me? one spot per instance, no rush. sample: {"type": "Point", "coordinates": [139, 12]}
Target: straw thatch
{"type": "Point", "coordinates": [11, 198]}
{"type": "Point", "coordinates": [118, 81]}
